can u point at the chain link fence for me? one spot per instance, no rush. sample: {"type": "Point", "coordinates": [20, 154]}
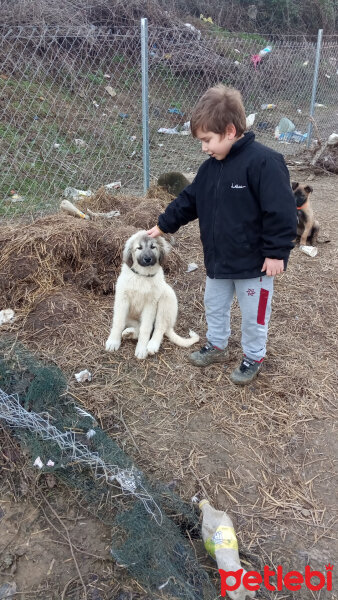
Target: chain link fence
{"type": "Point", "coordinates": [71, 103]}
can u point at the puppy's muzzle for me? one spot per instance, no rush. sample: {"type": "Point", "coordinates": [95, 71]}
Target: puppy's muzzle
{"type": "Point", "coordinates": [146, 259]}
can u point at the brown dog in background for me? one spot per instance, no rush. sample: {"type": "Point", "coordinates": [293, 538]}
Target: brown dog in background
{"type": "Point", "coordinates": [308, 227]}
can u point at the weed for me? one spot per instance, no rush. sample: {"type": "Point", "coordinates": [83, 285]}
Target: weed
{"type": "Point", "coordinates": [220, 32]}
{"type": "Point", "coordinates": [97, 77]}
{"type": "Point", "coordinates": [118, 58]}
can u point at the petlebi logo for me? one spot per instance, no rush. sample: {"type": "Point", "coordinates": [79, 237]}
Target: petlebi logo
{"type": "Point", "coordinates": [276, 580]}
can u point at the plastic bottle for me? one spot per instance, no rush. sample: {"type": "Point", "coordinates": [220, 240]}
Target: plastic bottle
{"type": "Point", "coordinates": [220, 541]}
{"type": "Point", "coordinates": [265, 51]}
{"type": "Point", "coordinates": [285, 125]}
{"type": "Point", "coordinates": [268, 106]}
{"type": "Point", "coordinates": [71, 209]}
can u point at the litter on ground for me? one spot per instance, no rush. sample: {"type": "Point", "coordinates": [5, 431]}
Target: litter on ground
{"type": "Point", "coordinates": [178, 130]}
{"type": "Point", "coordinates": [6, 316]}
{"type": "Point", "coordinates": [84, 375]}
{"type": "Point", "coordinates": [113, 185]}
{"type": "Point", "coordinates": [74, 193]}
{"type": "Point", "coordinates": [309, 250]}
{"type": "Point", "coordinates": [192, 267]}
{"type": "Point", "coordinates": [250, 120]}
{"type": "Point", "coordinates": [110, 91]}
{"type": "Point", "coordinates": [80, 143]}
{"type": "Point", "coordinates": [71, 209]}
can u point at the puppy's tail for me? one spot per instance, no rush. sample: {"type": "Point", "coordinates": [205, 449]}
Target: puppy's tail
{"type": "Point", "coordinates": [180, 341]}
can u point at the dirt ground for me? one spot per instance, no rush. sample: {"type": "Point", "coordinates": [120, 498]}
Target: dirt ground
{"type": "Point", "coordinates": [266, 453]}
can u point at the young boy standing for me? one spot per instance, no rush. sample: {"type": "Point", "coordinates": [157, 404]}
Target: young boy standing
{"type": "Point", "coordinates": [247, 217]}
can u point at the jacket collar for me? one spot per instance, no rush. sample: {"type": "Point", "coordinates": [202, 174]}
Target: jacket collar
{"type": "Point", "coordinates": [246, 140]}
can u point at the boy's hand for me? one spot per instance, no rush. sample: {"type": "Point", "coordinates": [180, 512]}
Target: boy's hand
{"type": "Point", "coordinates": [154, 232]}
{"type": "Point", "coordinates": [273, 266]}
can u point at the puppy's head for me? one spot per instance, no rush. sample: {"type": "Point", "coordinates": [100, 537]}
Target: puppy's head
{"type": "Point", "coordinates": [301, 193]}
{"type": "Point", "coordinates": [145, 251]}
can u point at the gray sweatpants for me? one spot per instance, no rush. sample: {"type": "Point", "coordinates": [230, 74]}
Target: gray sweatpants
{"type": "Point", "coordinates": [254, 297]}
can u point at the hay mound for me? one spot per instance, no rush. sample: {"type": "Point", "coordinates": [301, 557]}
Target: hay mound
{"type": "Point", "coordinates": [56, 250]}
{"type": "Point", "coordinates": [48, 267]}
{"type": "Point", "coordinates": [103, 201]}
{"type": "Point", "coordinates": [145, 214]}
{"type": "Point", "coordinates": [156, 191]}
{"type": "Point", "coordinates": [64, 307]}
{"type": "Point", "coordinates": [328, 160]}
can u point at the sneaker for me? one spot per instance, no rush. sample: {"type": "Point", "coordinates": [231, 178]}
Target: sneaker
{"type": "Point", "coordinates": [246, 372]}
{"type": "Point", "coordinates": [208, 355]}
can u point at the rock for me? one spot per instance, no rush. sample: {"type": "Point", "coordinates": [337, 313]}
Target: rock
{"type": "Point", "coordinates": [333, 139]}
{"type": "Point", "coordinates": [110, 91]}
{"type": "Point", "coordinates": [7, 590]}
{"type": "Point", "coordinates": [7, 560]}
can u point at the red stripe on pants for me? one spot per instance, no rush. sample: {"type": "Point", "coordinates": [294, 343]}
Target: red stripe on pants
{"type": "Point", "coordinates": [263, 300]}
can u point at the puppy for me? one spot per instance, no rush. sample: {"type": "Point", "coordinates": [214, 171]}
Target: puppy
{"type": "Point", "coordinates": [308, 227]}
{"type": "Point", "coordinates": [145, 305]}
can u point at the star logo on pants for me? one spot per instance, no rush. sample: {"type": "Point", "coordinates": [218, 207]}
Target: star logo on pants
{"type": "Point", "coordinates": [250, 292]}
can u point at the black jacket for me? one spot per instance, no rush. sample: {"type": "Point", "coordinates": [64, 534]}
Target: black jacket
{"type": "Point", "coordinates": [246, 210]}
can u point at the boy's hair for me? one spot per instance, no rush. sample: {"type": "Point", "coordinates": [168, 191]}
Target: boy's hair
{"type": "Point", "coordinates": [219, 107]}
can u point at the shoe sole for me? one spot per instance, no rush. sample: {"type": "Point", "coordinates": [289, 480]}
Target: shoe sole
{"type": "Point", "coordinates": [244, 382]}
{"type": "Point", "coordinates": [212, 362]}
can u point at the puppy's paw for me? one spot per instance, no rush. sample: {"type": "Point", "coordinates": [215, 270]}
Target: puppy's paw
{"type": "Point", "coordinates": [129, 333]}
{"type": "Point", "coordinates": [153, 347]}
{"type": "Point", "coordinates": [141, 352]}
{"type": "Point", "coordinates": [112, 344]}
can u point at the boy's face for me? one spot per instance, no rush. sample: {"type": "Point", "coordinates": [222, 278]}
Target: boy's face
{"type": "Point", "coordinates": [215, 144]}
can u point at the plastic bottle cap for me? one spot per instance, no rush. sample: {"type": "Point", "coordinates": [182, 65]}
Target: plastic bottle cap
{"type": "Point", "coordinates": [203, 502]}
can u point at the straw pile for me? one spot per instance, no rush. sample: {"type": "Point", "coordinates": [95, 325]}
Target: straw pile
{"type": "Point", "coordinates": [328, 159]}
{"type": "Point", "coordinates": [60, 252]}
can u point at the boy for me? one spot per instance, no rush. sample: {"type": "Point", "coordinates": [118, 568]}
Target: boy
{"type": "Point", "coordinates": [247, 217]}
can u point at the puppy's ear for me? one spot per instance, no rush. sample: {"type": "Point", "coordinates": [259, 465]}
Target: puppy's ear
{"type": "Point", "coordinates": [294, 184]}
{"type": "Point", "coordinates": [308, 189]}
{"type": "Point", "coordinates": [165, 248]}
{"type": "Point", "coordinates": [128, 255]}
{"type": "Point", "coordinates": [130, 259]}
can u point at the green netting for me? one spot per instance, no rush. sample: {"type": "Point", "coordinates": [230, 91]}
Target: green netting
{"type": "Point", "coordinates": [145, 539]}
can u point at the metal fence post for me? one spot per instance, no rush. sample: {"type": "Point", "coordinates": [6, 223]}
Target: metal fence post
{"type": "Point", "coordinates": [314, 85]}
{"type": "Point", "coordinates": [145, 105]}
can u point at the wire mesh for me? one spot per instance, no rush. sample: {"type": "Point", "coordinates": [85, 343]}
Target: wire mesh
{"type": "Point", "coordinates": [12, 413]}
{"type": "Point", "coordinates": [72, 103]}
{"type": "Point", "coordinates": [326, 107]}
{"type": "Point", "coordinates": [274, 86]}
{"type": "Point", "coordinates": [150, 526]}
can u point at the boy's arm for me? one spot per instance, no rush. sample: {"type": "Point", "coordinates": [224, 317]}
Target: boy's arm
{"type": "Point", "coordinates": [279, 213]}
{"type": "Point", "coordinates": [183, 209]}
{"type": "Point", "coordinates": [180, 211]}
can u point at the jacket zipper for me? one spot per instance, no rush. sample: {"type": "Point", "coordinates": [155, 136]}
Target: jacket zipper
{"type": "Point", "coordinates": [213, 227]}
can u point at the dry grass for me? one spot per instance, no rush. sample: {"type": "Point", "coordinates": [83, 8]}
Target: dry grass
{"type": "Point", "coordinates": [305, 20]}
{"type": "Point", "coordinates": [41, 259]}
{"type": "Point", "coordinates": [328, 160]}
{"type": "Point", "coordinates": [265, 452]}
